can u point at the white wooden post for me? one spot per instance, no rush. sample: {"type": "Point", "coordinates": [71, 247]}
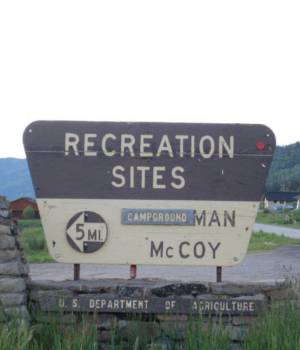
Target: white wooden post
{"type": "Point", "coordinates": [266, 204]}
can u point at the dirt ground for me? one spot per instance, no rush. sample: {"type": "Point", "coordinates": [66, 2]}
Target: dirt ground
{"type": "Point", "coordinates": [276, 264]}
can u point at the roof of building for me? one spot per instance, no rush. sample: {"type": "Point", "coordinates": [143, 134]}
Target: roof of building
{"type": "Point", "coordinates": [282, 196]}
{"type": "Point", "coordinates": [21, 203]}
{"type": "Point", "coordinates": [28, 199]}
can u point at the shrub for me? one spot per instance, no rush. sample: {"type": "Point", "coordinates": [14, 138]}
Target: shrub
{"type": "Point", "coordinates": [28, 213]}
{"type": "Point", "coordinates": [296, 215]}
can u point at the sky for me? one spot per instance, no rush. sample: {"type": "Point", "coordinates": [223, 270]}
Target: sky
{"type": "Point", "coordinates": [172, 61]}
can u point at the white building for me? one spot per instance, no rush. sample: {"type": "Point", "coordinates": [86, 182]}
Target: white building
{"type": "Point", "coordinates": [282, 200]}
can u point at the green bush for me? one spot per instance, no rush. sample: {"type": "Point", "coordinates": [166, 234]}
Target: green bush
{"type": "Point", "coordinates": [296, 215]}
{"type": "Point", "coordinates": [29, 223]}
{"type": "Point", "coordinates": [28, 213]}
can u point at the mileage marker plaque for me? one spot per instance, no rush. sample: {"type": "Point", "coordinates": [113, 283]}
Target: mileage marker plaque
{"type": "Point", "coordinates": [148, 193]}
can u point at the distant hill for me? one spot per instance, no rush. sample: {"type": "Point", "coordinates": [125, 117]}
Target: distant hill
{"type": "Point", "coordinates": [284, 174]}
{"type": "Point", "coordinates": [15, 178]}
{"type": "Point", "coordinates": [285, 170]}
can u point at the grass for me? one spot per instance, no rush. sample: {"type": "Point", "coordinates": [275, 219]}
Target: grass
{"type": "Point", "coordinates": [209, 335]}
{"type": "Point", "coordinates": [266, 241]}
{"type": "Point", "coordinates": [15, 335]}
{"type": "Point", "coordinates": [50, 336]}
{"type": "Point", "coordinates": [36, 250]}
{"type": "Point", "coordinates": [286, 218]}
{"type": "Point", "coordinates": [55, 335]}
{"type": "Point", "coordinates": [276, 329]}
{"type": "Point", "coordinates": [34, 243]}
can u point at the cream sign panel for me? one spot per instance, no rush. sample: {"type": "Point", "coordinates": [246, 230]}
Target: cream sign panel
{"type": "Point", "coordinates": [148, 193]}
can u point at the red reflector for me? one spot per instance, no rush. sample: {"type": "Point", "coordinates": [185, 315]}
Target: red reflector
{"type": "Point", "coordinates": [260, 145]}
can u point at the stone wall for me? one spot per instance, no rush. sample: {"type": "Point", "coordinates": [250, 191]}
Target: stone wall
{"type": "Point", "coordinates": [13, 273]}
{"type": "Point", "coordinates": [169, 309]}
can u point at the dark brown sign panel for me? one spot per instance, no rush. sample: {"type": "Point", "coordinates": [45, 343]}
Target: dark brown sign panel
{"type": "Point", "coordinates": [148, 193]}
{"type": "Point", "coordinates": [151, 305]}
{"type": "Point", "coordinates": [148, 160]}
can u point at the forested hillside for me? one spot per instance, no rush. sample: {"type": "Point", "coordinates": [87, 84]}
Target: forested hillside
{"type": "Point", "coordinates": [284, 175]}
{"type": "Point", "coordinates": [285, 170]}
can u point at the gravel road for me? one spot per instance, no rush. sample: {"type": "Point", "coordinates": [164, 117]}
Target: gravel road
{"type": "Point", "coordinates": [278, 263]}
{"type": "Point", "coordinates": [280, 230]}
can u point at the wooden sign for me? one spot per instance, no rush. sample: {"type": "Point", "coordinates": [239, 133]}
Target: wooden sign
{"type": "Point", "coordinates": [148, 193]}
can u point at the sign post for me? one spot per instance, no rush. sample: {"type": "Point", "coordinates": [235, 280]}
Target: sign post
{"type": "Point", "coordinates": [76, 272]}
{"type": "Point", "coordinates": [219, 274]}
{"type": "Point", "coordinates": [148, 193]}
{"type": "Point", "coordinates": [133, 270]}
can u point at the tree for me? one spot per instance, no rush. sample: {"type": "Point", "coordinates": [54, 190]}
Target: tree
{"type": "Point", "coordinates": [28, 213]}
{"type": "Point", "coordinates": [285, 169]}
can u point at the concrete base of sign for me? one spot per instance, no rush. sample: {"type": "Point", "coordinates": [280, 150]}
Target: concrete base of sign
{"type": "Point", "coordinates": [160, 309]}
